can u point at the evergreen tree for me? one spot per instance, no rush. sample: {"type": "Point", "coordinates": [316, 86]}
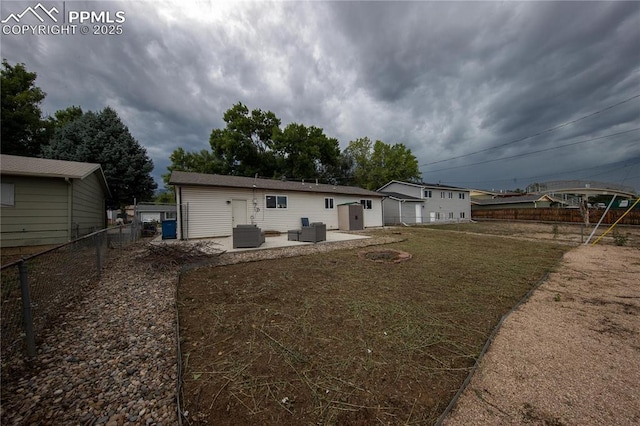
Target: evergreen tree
{"type": "Point", "coordinates": [103, 138]}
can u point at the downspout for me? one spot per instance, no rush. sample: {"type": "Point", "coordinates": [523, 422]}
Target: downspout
{"type": "Point", "coordinates": [179, 211]}
{"type": "Point", "coordinates": [69, 208]}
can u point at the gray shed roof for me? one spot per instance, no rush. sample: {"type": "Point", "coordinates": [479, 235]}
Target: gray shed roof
{"type": "Point", "coordinates": [203, 179]}
{"type": "Point", "coordinates": [43, 167]}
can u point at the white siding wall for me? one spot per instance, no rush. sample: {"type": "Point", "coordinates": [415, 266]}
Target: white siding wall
{"type": "Point", "coordinates": [209, 214]}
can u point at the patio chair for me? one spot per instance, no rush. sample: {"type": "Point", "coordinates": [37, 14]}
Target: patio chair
{"type": "Point", "coordinates": [313, 233]}
{"type": "Point", "coordinates": [247, 236]}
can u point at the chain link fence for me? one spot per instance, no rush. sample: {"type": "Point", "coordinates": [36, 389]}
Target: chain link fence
{"type": "Point", "coordinates": [37, 289]}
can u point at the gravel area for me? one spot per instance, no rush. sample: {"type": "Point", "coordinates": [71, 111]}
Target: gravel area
{"type": "Point", "coordinates": [571, 354]}
{"type": "Point", "coordinates": [112, 360]}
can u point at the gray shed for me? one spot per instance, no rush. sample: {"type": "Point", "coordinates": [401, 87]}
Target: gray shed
{"type": "Point", "coordinates": [350, 217]}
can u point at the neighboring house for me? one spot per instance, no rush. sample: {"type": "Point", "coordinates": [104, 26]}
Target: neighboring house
{"type": "Point", "coordinates": [211, 205]}
{"type": "Point", "coordinates": [415, 203]}
{"type": "Point", "coordinates": [527, 201]}
{"type": "Point", "coordinates": [50, 201]}
{"type": "Point", "coordinates": [147, 212]}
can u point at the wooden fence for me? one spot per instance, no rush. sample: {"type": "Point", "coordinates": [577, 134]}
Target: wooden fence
{"type": "Point", "coordinates": [558, 215]}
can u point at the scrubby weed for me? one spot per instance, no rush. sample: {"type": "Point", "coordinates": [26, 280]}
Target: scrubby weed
{"type": "Point", "coordinates": [618, 238]}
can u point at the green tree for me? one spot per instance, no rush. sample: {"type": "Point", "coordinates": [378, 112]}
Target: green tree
{"type": "Point", "coordinates": [103, 138]}
{"type": "Point", "coordinates": [375, 164]}
{"type": "Point", "coordinates": [203, 161]}
{"type": "Point", "coordinates": [245, 146]}
{"type": "Point", "coordinates": [22, 129]}
{"type": "Point", "coordinates": [165, 197]}
{"type": "Point", "coordinates": [253, 143]}
{"type": "Point", "coordinates": [306, 152]}
{"type": "Point", "coordinates": [358, 154]}
{"type": "Point", "coordinates": [63, 117]}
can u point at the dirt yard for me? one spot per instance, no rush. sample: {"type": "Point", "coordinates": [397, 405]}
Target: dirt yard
{"type": "Point", "coordinates": [571, 354]}
{"type": "Point", "coordinates": [356, 336]}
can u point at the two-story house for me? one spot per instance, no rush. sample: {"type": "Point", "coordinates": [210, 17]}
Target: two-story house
{"type": "Point", "coordinates": [415, 203]}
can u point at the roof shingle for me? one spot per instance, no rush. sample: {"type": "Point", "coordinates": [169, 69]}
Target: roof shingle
{"type": "Point", "coordinates": [28, 166]}
{"type": "Point", "coordinates": [203, 179]}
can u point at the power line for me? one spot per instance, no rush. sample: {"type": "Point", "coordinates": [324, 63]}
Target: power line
{"type": "Point", "coordinates": [548, 175]}
{"type": "Point", "coordinates": [536, 134]}
{"type": "Point", "coordinates": [537, 151]}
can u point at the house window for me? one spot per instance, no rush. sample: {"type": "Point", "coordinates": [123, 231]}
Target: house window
{"type": "Point", "coordinates": [276, 201]}
{"type": "Point", "coordinates": [170, 215]}
{"type": "Point", "coordinates": [461, 195]}
{"type": "Point", "coordinates": [442, 194]}
{"type": "Point", "coordinates": [427, 193]}
{"type": "Point", "coordinates": [366, 204]}
{"type": "Point", "coordinates": [450, 215]}
{"type": "Point", "coordinates": [437, 215]}
{"type": "Point", "coordinates": [7, 191]}
{"type": "Point", "coordinates": [328, 203]}
{"type": "Point", "coordinates": [450, 194]}
{"type": "Point", "coordinates": [462, 215]}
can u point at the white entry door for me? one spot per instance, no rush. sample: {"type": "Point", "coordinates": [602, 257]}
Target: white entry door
{"type": "Point", "coordinates": [238, 212]}
{"type": "Point", "coordinates": [418, 213]}
{"type": "Point", "coordinates": [432, 217]}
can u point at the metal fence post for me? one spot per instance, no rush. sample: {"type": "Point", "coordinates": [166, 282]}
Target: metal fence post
{"type": "Point", "coordinates": [98, 260]}
{"type": "Point", "coordinates": [121, 242]}
{"type": "Point", "coordinates": [26, 309]}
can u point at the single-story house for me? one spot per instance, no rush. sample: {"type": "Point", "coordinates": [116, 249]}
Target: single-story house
{"type": "Point", "coordinates": [146, 212]}
{"type": "Point", "coordinates": [416, 203]}
{"type": "Point", "coordinates": [527, 201]}
{"type": "Point", "coordinates": [48, 202]}
{"type": "Point", "coordinates": [212, 205]}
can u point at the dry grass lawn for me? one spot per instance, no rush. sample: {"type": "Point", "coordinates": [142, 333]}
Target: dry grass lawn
{"type": "Point", "coordinates": [338, 338]}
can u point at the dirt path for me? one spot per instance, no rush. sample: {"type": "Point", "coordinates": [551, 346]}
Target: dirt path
{"type": "Point", "coordinates": [571, 354]}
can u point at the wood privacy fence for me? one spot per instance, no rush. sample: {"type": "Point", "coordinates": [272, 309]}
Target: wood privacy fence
{"type": "Point", "coordinates": [558, 215]}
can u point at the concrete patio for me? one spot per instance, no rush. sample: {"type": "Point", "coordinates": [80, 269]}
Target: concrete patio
{"type": "Point", "coordinates": [271, 241]}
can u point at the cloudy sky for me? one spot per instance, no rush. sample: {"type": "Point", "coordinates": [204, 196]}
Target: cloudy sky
{"type": "Point", "coordinates": [493, 95]}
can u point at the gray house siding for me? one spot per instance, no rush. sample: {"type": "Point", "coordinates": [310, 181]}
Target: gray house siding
{"type": "Point", "coordinates": [436, 203]}
{"type": "Point", "coordinates": [89, 211]}
{"type": "Point", "coordinates": [445, 205]}
{"type": "Point", "coordinates": [397, 212]}
{"type": "Point", "coordinates": [39, 215]}
{"type": "Point", "coordinates": [403, 188]}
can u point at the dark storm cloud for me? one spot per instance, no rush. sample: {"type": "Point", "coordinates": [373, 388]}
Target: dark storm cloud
{"type": "Point", "coordinates": [444, 78]}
